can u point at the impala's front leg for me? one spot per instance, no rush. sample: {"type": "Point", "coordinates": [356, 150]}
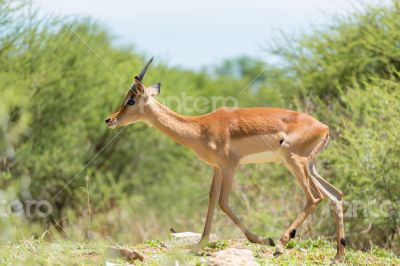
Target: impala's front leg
{"type": "Point", "coordinates": [214, 195]}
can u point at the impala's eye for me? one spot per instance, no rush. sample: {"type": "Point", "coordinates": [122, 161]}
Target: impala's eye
{"type": "Point", "coordinates": [131, 102]}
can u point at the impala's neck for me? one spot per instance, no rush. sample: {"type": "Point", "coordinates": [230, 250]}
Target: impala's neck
{"type": "Point", "coordinates": [182, 129]}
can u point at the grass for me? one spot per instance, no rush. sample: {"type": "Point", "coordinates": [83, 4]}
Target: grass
{"type": "Point", "coordinates": [156, 252]}
{"type": "Point", "coordinates": [40, 252]}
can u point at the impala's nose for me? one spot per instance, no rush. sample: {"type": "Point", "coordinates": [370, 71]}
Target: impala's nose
{"type": "Point", "coordinates": [111, 121]}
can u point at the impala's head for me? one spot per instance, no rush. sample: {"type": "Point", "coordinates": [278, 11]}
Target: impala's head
{"type": "Point", "coordinates": [135, 102]}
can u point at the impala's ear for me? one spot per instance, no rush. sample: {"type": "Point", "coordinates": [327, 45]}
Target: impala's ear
{"type": "Point", "coordinates": [153, 90]}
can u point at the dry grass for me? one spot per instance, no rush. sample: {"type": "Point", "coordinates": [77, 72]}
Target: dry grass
{"type": "Point", "coordinates": [156, 252]}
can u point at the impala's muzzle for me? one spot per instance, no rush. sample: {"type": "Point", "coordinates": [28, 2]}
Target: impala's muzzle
{"type": "Point", "coordinates": [111, 122]}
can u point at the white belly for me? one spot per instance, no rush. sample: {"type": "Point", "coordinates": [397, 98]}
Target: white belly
{"type": "Point", "coordinates": [262, 157]}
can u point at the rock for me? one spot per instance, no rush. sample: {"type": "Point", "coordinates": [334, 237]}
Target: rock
{"type": "Point", "coordinates": [187, 239]}
{"type": "Point", "coordinates": [233, 257]}
{"type": "Point", "coordinates": [128, 255]}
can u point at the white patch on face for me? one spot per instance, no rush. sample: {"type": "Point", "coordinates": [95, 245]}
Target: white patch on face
{"type": "Point", "coordinates": [261, 157]}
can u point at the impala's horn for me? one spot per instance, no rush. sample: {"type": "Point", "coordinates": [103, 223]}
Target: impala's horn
{"type": "Point", "coordinates": [141, 75]}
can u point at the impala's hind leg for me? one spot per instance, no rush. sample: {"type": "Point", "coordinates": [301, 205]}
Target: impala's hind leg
{"type": "Point", "coordinates": [227, 179]}
{"type": "Point", "coordinates": [335, 196]}
{"type": "Point", "coordinates": [298, 166]}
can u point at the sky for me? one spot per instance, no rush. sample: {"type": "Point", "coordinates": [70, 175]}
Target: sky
{"type": "Point", "coordinates": [195, 34]}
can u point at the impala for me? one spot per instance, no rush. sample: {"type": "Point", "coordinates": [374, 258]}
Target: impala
{"type": "Point", "coordinates": [229, 137]}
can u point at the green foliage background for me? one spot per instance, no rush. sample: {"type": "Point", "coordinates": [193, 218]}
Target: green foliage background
{"type": "Point", "coordinates": [59, 79]}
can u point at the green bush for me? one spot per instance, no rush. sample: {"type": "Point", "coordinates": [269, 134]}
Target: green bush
{"type": "Point", "coordinates": [360, 45]}
{"type": "Point", "coordinates": [364, 160]}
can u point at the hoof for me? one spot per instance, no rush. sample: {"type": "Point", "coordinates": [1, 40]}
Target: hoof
{"type": "Point", "coordinates": [267, 241]}
{"type": "Point", "coordinates": [279, 249]}
{"type": "Point", "coordinates": [257, 240]}
{"type": "Point", "coordinates": [201, 244]}
{"type": "Point", "coordinates": [337, 259]}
